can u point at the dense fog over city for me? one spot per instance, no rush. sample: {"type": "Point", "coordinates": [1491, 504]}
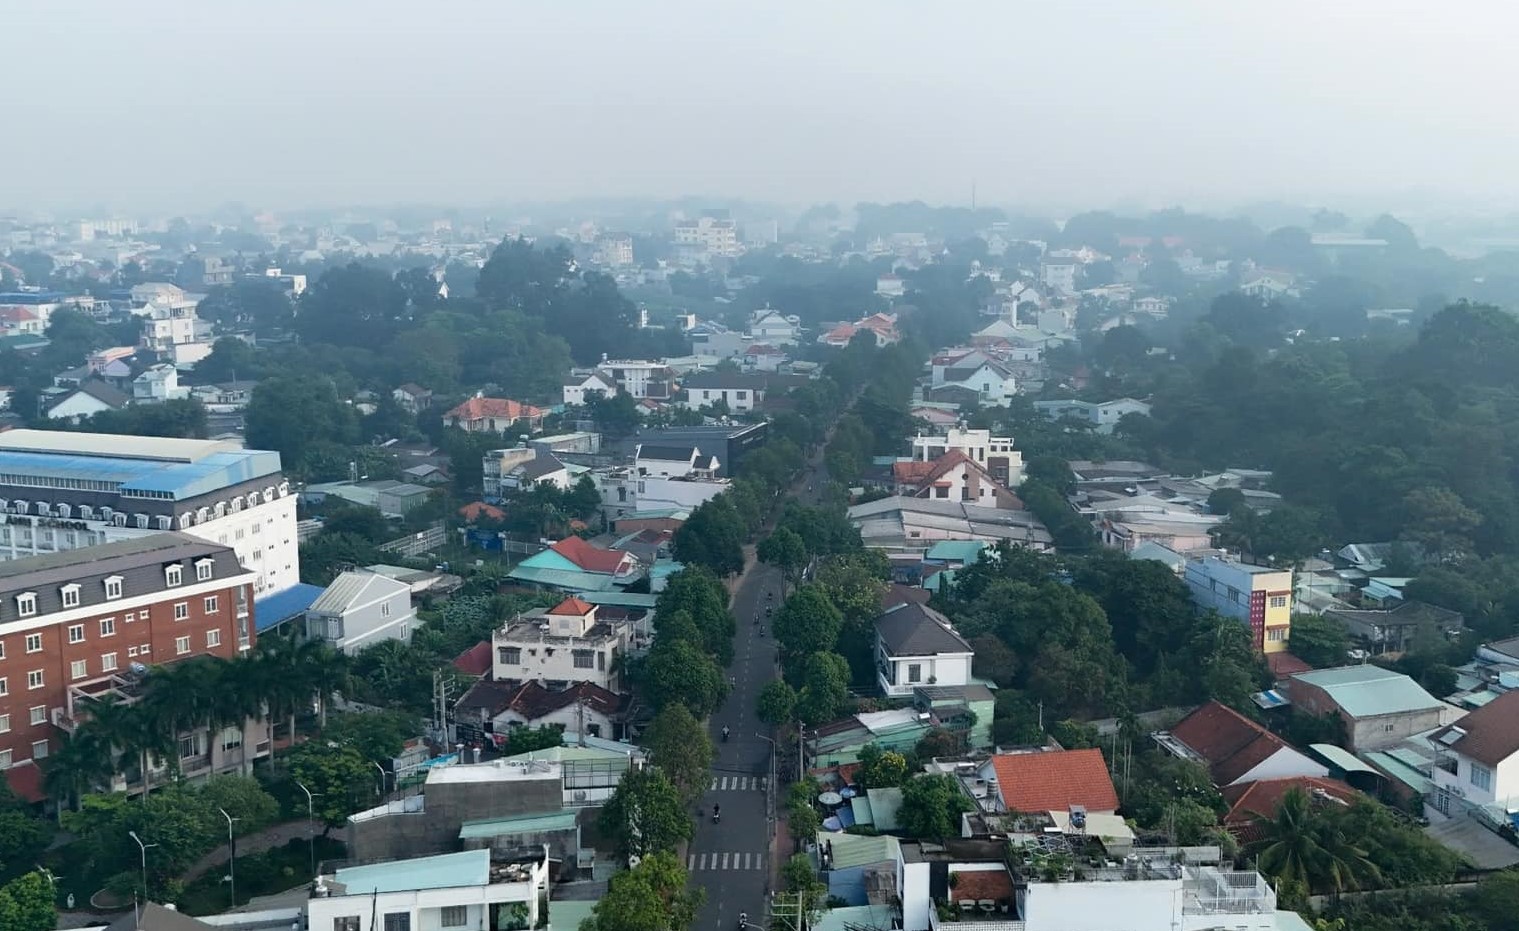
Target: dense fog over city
{"type": "Point", "coordinates": [181, 106]}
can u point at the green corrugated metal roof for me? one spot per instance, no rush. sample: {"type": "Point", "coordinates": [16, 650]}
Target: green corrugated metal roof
{"type": "Point", "coordinates": [1402, 772]}
{"type": "Point", "coordinates": [884, 805]}
{"type": "Point", "coordinates": [966, 551]}
{"type": "Point", "coordinates": [1340, 757]}
{"type": "Point", "coordinates": [862, 813]}
{"type": "Point", "coordinates": [568, 579]}
{"type": "Point", "coordinates": [851, 850]}
{"type": "Point", "coordinates": [521, 824]}
{"type": "Point", "coordinates": [1478, 699]}
{"type": "Point", "coordinates": [621, 599]}
{"type": "Point", "coordinates": [444, 871]}
{"type": "Point", "coordinates": [1366, 691]}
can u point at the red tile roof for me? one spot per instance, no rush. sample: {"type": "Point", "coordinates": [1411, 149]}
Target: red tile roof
{"type": "Point", "coordinates": [16, 314]}
{"type": "Point", "coordinates": [911, 473]}
{"type": "Point", "coordinates": [499, 408]}
{"type": "Point", "coordinates": [476, 661]}
{"type": "Point", "coordinates": [572, 607]}
{"type": "Point", "coordinates": [532, 701]}
{"type": "Point", "coordinates": [1285, 664]}
{"type": "Point", "coordinates": [477, 509]}
{"type": "Point", "coordinates": [1055, 780]}
{"type": "Point", "coordinates": [1229, 742]}
{"type": "Point", "coordinates": [588, 557]}
{"type": "Point", "coordinates": [1261, 798]}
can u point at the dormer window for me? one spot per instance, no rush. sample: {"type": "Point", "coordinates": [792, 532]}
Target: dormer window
{"type": "Point", "coordinates": [113, 587]}
{"type": "Point", "coordinates": [174, 575]}
{"type": "Point", "coordinates": [26, 604]}
{"type": "Point", "coordinates": [203, 568]}
{"type": "Point", "coordinates": [70, 596]}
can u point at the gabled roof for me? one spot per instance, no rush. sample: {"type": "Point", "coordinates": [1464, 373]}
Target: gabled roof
{"type": "Point", "coordinates": [476, 661]}
{"type": "Point", "coordinates": [353, 587]}
{"type": "Point", "coordinates": [1488, 735]}
{"type": "Point", "coordinates": [918, 630]}
{"type": "Point", "coordinates": [477, 509]}
{"type": "Point", "coordinates": [1230, 743]}
{"type": "Point", "coordinates": [728, 380]}
{"type": "Point", "coordinates": [1261, 798]}
{"type": "Point", "coordinates": [588, 557]}
{"type": "Point", "coordinates": [13, 314]}
{"type": "Point", "coordinates": [100, 391]}
{"type": "Point", "coordinates": [532, 701]}
{"type": "Point", "coordinates": [1367, 690]}
{"type": "Point", "coordinates": [537, 467]}
{"type": "Point", "coordinates": [911, 472]}
{"type": "Point", "coordinates": [571, 607]}
{"type": "Point", "coordinates": [499, 408]}
{"type": "Point", "coordinates": [1054, 780]}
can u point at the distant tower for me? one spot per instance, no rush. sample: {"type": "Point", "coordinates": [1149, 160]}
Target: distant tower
{"type": "Point", "coordinates": [973, 194]}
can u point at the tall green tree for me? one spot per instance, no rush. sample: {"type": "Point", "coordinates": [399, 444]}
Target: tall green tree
{"type": "Point", "coordinates": [681, 749]}
{"type": "Point", "coordinates": [645, 815]}
{"type": "Point", "coordinates": [652, 896]}
{"type": "Point", "coordinates": [1296, 847]}
{"type": "Point", "coordinates": [784, 550]}
{"type": "Point", "coordinates": [808, 622]}
{"type": "Point", "coordinates": [931, 807]}
{"type": "Point", "coordinates": [680, 673]}
{"type": "Point", "coordinates": [27, 903]}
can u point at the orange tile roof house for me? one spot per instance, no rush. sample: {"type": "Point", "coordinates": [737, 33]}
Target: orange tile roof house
{"type": "Point", "coordinates": [1249, 801]}
{"type": "Point", "coordinates": [493, 415]}
{"type": "Point", "coordinates": [1235, 749]}
{"type": "Point", "coordinates": [1053, 780]}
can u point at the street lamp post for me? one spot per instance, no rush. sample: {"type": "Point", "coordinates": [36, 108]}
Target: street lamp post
{"type": "Point", "coordinates": [143, 849]}
{"type": "Point", "coordinates": [310, 825]}
{"type": "Point", "coordinates": [769, 786]}
{"type": "Point", "coordinates": [232, 857]}
{"type": "Point", "coordinates": [382, 778]}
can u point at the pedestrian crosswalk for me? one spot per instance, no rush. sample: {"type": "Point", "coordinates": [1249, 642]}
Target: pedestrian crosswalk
{"type": "Point", "coordinates": [698, 862]}
{"type": "Point", "coordinates": [739, 783]}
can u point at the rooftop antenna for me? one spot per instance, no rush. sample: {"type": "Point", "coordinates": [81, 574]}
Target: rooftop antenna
{"type": "Point", "coordinates": [973, 194]}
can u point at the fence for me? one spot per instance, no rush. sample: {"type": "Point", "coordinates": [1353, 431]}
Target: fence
{"type": "Point", "coordinates": [418, 543]}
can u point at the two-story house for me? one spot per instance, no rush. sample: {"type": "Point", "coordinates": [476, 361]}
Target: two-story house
{"type": "Point", "coordinates": [740, 393]}
{"type": "Point", "coordinates": [494, 415]}
{"type": "Point", "coordinates": [1479, 760]}
{"type": "Point", "coordinates": [953, 477]}
{"type": "Point", "coordinates": [659, 461]}
{"type": "Point", "coordinates": [771, 326]}
{"type": "Point", "coordinates": [469, 889]}
{"type": "Point", "coordinates": [562, 646]}
{"type": "Point", "coordinates": [360, 609]}
{"type": "Point", "coordinates": [579, 387]}
{"type": "Point", "coordinates": [158, 383]}
{"type": "Point", "coordinates": [915, 645]}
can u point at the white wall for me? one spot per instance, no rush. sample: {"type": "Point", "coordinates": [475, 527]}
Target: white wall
{"type": "Point", "coordinates": [561, 665]}
{"type": "Point", "coordinates": [912, 880]}
{"type": "Point", "coordinates": [738, 399]}
{"type": "Point", "coordinates": [79, 405]}
{"type": "Point", "coordinates": [265, 541]}
{"type": "Point", "coordinates": [1281, 764]}
{"type": "Point", "coordinates": [943, 669]}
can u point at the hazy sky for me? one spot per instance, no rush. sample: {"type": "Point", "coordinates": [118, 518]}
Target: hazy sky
{"type": "Point", "coordinates": [158, 105]}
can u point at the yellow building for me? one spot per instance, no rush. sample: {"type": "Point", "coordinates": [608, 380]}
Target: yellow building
{"type": "Point", "coordinates": [1260, 596]}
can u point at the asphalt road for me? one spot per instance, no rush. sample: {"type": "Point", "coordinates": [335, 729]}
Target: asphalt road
{"type": "Point", "coordinates": [730, 859]}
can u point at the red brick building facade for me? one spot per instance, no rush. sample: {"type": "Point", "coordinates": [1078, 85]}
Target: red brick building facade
{"type": "Point", "coordinates": [85, 622]}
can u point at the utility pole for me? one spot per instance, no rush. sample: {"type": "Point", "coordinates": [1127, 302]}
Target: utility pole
{"type": "Point", "coordinates": [801, 755]}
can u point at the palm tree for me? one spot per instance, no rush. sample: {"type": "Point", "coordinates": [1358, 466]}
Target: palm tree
{"type": "Point", "coordinates": [1300, 846]}
{"type": "Point", "coordinates": [83, 762]}
{"type": "Point", "coordinates": [235, 700]}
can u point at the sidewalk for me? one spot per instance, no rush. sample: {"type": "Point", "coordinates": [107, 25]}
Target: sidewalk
{"type": "Point", "coordinates": [277, 835]}
{"type": "Point", "coordinates": [780, 851]}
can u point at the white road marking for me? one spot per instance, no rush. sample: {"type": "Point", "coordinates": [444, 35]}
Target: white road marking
{"type": "Point", "coordinates": [725, 861]}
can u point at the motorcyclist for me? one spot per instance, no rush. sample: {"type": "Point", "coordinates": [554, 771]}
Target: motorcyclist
{"type": "Point", "coordinates": [717, 813]}
{"type": "Point", "coordinates": [743, 919]}
{"type": "Point", "coordinates": [725, 733]}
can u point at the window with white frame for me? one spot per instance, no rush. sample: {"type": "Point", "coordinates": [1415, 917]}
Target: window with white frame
{"type": "Point", "coordinates": [108, 627]}
{"type": "Point", "coordinates": [1481, 777]}
{"type": "Point", "coordinates": [76, 633]}
{"type": "Point", "coordinates": [5, 724]}
{"type": "Point", "coordinates": [26, 604]}
{"type": "Point", "coordinates": [70, 596]}
{"type": "Point", "coordinates": [1278, 601]}
{"type": "Point", "coordinates": [78, 669]}
{"type": "Point", "coordinates": [181, 646]}
{"type": "Point", "coordinates": [108, 662]}
{"type": "Point", "coordinates": [210, 604]}
{"type": "Point", "coordinates": [454, 916]}
{"type": "Point", "coordinates": [34, 643]}
{"type": "Point", "coordinates": [203, 570]}
{"type": "Point", "coordinates": [345, 923]}
{"type": "Point", "coordinates": [132, 650]}
{"type": "Point", "coordinates": [113, 587]}
{"type": "Point", "coordinates": [181, 610]}
{"type": "Point", "coordinates": [213, 639]}
{"type": "Point", "coordinates": [174, 575]}
{"type": "Point", "coordinates": [5, 759]}
{"type": "Point", "coordinates": [5, 688]}
{"type": "Point", "coordinates": [39, 749]}
{"type": "Point", "coordinates": [34, 679]}
{"type": "Point", "coordinates": [38, 715]}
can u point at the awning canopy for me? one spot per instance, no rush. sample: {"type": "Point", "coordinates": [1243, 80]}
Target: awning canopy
{"type": "Point", "coordinates": [1342, 759]}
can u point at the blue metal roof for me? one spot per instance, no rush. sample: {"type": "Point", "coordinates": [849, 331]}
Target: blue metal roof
{"type": "Point", "coordinates": [31, 297]}
{"type": "Point", "coordinates": [180, 479]}
{"type": "Point", "coordinates": [282, 606]}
